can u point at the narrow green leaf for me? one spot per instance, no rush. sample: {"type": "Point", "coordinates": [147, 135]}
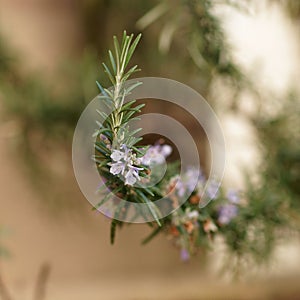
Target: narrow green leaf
{"type": "Point", "coordinates": [99, 160]}
{"type": "Point", "coordinates": [132, 48]}
{"type": "Point", "coordinates": [133, 141]}
{"type": "Point", "coordinates": [127, 75]}
{"type": "Point", "coordinates": [135, 119]}
{"type": "Point", "coordinates": [148, 191]}
{"type": "Point", "coordinates": [139, 151]}
{"type": "Point", "coordinates": [128, 104]}
{"type": "Point", "coordinates": [112, 61]}
{"type": "Point", "coordinates": [138, 107]}
{"type": "Point", "coordinates": [135, 131]}
{"type": "Point", "coordinates": [111, 77]}
{"type": "Point", "coordinates": [101, 145]}
{"type": "Point", "coordinates": [124, 38]}
{"type": "Point", "coordinates": [102, 149]}
{"type": "Point", "coordinates": [103, 163]}
{"type": "Point", "coordinates": [110, 94]}
{"type": "Point", "coordinates": [103, 115]}
{"type": "Point", "coordinates": [151, 235]}
{"type": "Point", "coordinates": [101, 89]}
{"type": "Point", "coordinates": [107, 130]}
{"type": "Point", "coordinates": [128, 116]}
{"type": "Point", "coordinates": [115, 221]}
{"type": "Point", "coordinates": [103, 201]}
{"type": "Point", "coordinates": [113, 228]}
{"type": "Point", "coordinates": [125, 49]}
{"type": "Point", "coordinates": [132, 87]}
{"type": "Point", "coordinates": [117, 52]}
{"type": "Point", "coordinates": [152, 207]}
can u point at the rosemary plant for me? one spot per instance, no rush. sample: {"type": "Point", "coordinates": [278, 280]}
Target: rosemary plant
{"type": "Point", "coordinates": [124, 165]}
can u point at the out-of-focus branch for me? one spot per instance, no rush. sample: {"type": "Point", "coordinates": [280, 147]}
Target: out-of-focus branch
{"type": "Point", "coordinates": [4, 293]}
{"type": "Point", "coordinates": [42, 279]}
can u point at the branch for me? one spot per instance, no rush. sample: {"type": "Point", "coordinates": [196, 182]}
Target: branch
{"type": "Point", "coordinates": [4, 293]}
{"type": "Point", "coordinates": [40, 290]}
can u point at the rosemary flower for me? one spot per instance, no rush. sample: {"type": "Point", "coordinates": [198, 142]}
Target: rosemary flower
{"type": "Point", "coordinates": [226, 213]}
{"type": "Point", "coordinates": [156, 154]}
{"type": "Point", "coordinates": [125, 163]}
{"type": "Point", "coordinates": [233, 196]}
{"type": "Point", "coordinates": [184, 254]}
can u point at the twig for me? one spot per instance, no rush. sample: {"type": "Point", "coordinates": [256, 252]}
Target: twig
{"type": "Point", "coordinates": [40, 289]}
{"type": "Point", "coordinates": [4, 293]}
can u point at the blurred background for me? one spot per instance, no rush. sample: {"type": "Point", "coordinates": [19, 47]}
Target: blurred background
{"type": "Point", "coordinates": [242, 56]}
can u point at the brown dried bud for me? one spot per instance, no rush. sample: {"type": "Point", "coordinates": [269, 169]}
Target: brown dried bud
{"type": "Point", "coordinates": [174, 231]}
{"type": "Point", "coordinates": [189, 226]}
{"type": "Point", "coordinates": [195, 199]}
{"type": "Point", "coordinates": [209, 226]}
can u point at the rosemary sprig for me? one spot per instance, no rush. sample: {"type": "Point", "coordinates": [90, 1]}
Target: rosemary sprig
{"type": "Point", "coordinates": [115, 136]}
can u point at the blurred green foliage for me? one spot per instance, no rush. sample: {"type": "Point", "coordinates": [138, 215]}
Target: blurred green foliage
{"type": "Point", "coordinates": [280, 137]}
{"type": "Point", "coordinates": [195, 29]}
{"type": "Point", "coordinates": [273, 210]}
{"type": "Point", "coordinates": [38, 105]}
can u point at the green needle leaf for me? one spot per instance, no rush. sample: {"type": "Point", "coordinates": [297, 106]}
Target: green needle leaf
{"type": "Point", "coordinates": [151, 235]}
{"type": "Point", "coordinates": [152, 207]}
{"type": "Point", "coordinates": [112, 61]}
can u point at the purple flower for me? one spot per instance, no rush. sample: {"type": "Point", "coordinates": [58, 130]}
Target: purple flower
{"type": "Point", "coordinates": [156, 154]}
{"type": "Point", "coordinates": [233, 196]}
{"type": "Point", "coordinates": [188, 182]}
{"type": "Point", "coordinates": [117, 155]}
{"type": "Point", "coordinates": [166, 150]}
{"type": "Point", "coordinates": [212, 189]}
{"type": "Point", "coordinates": [132, 175]}
{"type": "Point", "coordinates": [180, 188]}
{"type": "Point", "coordinates": [193, 176]}
{"type": "Point", "coordinates": [226, 213]}
{"type": "Point", "coordinates": [124, 163]}
{"type": "Point", "coordinates": [117, 168]}
{"type": "Point", "coordinates": [105, 140]}
{"type": "Point", "coordinates": [184, 254]}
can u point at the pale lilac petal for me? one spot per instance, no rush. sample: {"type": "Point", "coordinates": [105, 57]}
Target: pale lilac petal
{"type": "Point", "coordinates": [130, 178]}
{"type": "Point", "coordinates": [117, 155]}
{"type": "Point", "coordinates": [227, 213]}
{"type": "Point", "coordinates": [156, 154]}
{"type": "Point", "coordinates": [233, 196]}
{"type": "Point", "coordinates": [184, 254]}
{"type": "Point", "coordinates": [213, 189]}
{"type": "Point", "coordinates": [117, 168]}
{"type": "Point", "coordinates": [166, 150]}
{"type": "Point", "coordinates": [158, 159]}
